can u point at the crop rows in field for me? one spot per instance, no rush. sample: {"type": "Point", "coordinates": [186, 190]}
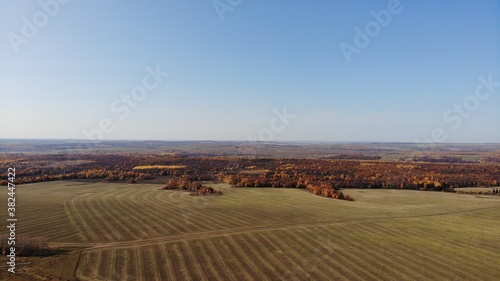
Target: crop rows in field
{"type": "Point", "coordinates": [144, 212]}
{"type": "Point", "coordinates": [139, 232]}
{"type": "Point", "coordinates": [357, 251]}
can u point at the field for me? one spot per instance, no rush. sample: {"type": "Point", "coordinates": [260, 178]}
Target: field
{"type": "Point", "coordinates": [159, 167]}
{"type": "Point", "coordinates": [475, 188]}
{"type": "Point", "coordinates": [117, 231]}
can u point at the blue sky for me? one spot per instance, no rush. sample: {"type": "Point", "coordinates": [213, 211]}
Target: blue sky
{"type": "Point", "coordinates": [230, 71]}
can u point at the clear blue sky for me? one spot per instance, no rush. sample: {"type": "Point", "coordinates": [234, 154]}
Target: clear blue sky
{"type": "Point", "coordinates": [226, 76]}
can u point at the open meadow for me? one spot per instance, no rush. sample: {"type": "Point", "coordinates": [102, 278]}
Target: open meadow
{"type": "Point", "coordinates": [232, 140]}
{"type": "Point", "coordinates": [118, 231]}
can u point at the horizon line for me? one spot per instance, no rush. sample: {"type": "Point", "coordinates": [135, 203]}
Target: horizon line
{"type": "Point", "coordinates": [240, 141]}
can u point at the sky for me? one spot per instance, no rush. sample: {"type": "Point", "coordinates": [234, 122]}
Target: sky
{"type": "Point", "coordinates": [288, 70]}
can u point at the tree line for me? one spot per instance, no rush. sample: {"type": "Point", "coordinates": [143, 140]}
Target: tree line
{"type": "Point", "coordinates": [258, 172]}
{"type": "Point", "coordinates": [26, 246]}
{"type": "Point", "coordinates": [195, 187]}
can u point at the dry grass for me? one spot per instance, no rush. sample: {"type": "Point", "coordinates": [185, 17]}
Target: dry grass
{"type": "Point", "coordinates": [166, 167]}
{"type": "Point", "coordinates": [476, 188]}
{"type": "Point", "coordinates": [254, 171]}
{"type": "Point", "coordinates": [138, 232]}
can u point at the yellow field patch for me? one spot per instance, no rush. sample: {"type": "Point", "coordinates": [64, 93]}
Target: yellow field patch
{"type": "Point", "coordinates": [255, 172]}
{"type": "Point", "coordinates": [159, 167]}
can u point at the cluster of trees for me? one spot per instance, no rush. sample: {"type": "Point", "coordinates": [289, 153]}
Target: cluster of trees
{"type": "Point", "coordinates": [106, 167]}
{"type": "Point", "coordinates": [245, 180]}
{"type": "Point", "coordinates": [440, 159]}
{"type": "Point", "coordinates": [102, 173]}
{"type": "Point", "coordinates": [195, 187]}
{"type": "Point", "coordinates": [445, 174]}
{"type": "Point", "coordinates": [491, 159]}
{"type": "Point", "coordinates": [26, 246]}
{"type": "Point", "coordinates": [110, 167]}
{"type": "Point", "coordinates": [207, 190]}
{"type": "Point", "coordinates": [327, 191]}
{"type": "Point", "coordinates": [283, 181]}
{"type": "Point", "coordinates": [298, 173]}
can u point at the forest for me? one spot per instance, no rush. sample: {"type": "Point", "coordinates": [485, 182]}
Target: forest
{"type": "Point", "coordinates": [321, 176]}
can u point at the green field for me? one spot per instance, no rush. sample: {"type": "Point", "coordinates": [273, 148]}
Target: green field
{"type": "Point", "coordinates": [139, 232]}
